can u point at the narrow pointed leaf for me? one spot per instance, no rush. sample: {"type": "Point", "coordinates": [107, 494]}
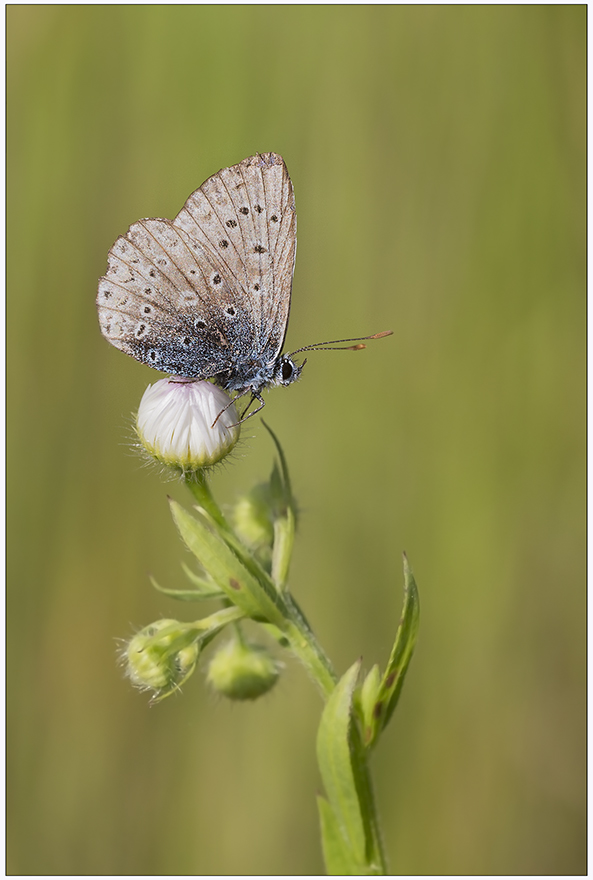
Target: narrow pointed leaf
{"type": "Point", "coordinates": [401, 654]}
{"type": "Point", "coordinates": [227, 570]}
{"type": "Point", "coordinates": [204, 585]}
{"type": "Point", "coordinates": [210, 591]}
{"type": "Point", "coordinates": [335, 764]}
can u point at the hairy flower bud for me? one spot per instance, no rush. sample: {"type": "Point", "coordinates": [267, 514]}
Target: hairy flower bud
{"type": "Point", "coordinates": [187, 424]}
{"type": "Point", "coordinates": [159, 657]}
{"type": "Point", "coordinates": [242, 671]}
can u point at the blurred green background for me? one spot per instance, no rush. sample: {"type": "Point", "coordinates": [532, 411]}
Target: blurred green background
{"type": "Point", "coordinates": [438, 159]}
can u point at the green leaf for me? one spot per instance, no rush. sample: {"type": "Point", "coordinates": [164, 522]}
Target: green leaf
{"type": "Point", "coordinates": [339, 859]}
{"type": "Point", "coordinates": [254, 596]}
{"type": "Point", "coordinates": [250, 588]}
{"type": "Point", "coordinates": [284, 515]}
{"type": "Point", "coordinates": [401, 654]}
{"type": "Point", "coordinates": [335, 764]}
{"type": "Point", "coordinates": [280, 482]}
{"type": "Point", "coordinates": [203, 585]}
{"type": "Point", "coordinates": [203, 589]}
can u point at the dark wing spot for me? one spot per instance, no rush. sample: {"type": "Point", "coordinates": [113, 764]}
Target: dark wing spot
{"type": "Point", "coordinates": [256, 286]}
{"type": "Point", "coordinates": [244, 211]}
{"type": "Point", "coordinates": [106, 294]}
{"type": "Point", "coordinates": [223, 244]}
{"type": "Point", "coordinates": [274, 218]}
{"type": "Point", "coordinates": [230, 311]}
{"type": "Point", "coordinates": [148, 290]}
{"type": "Point", "coordinates": [151, 273]}
{"type": "Point", "coordinates": [200, 324]}
{"type": "Point", "coordinates": [147, 310]}
{"type": "Point", "coordinates": [259, 209]}
{"type": "Point", "coordinates": [231, 224]}
{"type": "Point", "coordinates": [140, 330]}
{"type": "Point", "coordinates": [217, 279]}
{"type": "Point", "coordinates": [259, 249]}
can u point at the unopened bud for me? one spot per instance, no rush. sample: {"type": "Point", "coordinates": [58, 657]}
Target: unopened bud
{"type": "Point", "coordinates": [253, 519]}
{"type": "Point", "coordinates": [242, 671]}
{"type": "Point", "coordinates": [159, 657]}
{"type": "Point", "coordinates": [187, 424]}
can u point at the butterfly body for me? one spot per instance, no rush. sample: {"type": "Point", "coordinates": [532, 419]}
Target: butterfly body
{"type": "Point", "coordinates": [207, 295]}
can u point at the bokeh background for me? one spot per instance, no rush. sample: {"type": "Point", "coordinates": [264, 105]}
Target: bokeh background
{"type": "Point", "coordinates": [438, 160]}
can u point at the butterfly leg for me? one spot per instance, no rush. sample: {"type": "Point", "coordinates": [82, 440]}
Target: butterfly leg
{"type": "Point", "coordinates": [224, 409]}
{"type": "Point", "coordinates": [254, 396]}
{"type": "Point", "coordinates": [262, 403]}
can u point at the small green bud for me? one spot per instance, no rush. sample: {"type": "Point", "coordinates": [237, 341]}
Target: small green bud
{"type": "Point", "coordinates": [253, 518]}
{"type": "Point", "coordinates": [242, 671]}
{"type": "Point", "coordinates": [161, 662]}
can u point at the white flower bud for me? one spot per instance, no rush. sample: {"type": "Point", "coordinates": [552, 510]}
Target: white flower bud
{"type": "Point", "coordinates": [175, 423]}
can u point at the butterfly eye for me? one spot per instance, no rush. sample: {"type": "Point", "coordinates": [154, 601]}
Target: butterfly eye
{"type": "Point", "coordinates": [287, 371]}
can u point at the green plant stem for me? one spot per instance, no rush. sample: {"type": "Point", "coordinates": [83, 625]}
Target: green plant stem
{"type": "Point", "coordinates": [366, 796]}
{"type": "Point", "coordinates": [197, 484]}
{"type": "Point", "coordinates": [305, 646]}
{"type": "Point", "coordinates": [217, 621]}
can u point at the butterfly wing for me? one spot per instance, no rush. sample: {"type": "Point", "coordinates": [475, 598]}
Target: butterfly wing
{"type": "Point", "coordinates": [166, 304]}
{"type": "Point", "coordinates": [208, 294]}
{"type": "Point", "coordinates": [246, 216]}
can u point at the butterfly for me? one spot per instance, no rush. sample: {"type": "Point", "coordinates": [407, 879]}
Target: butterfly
{"type": "Point", "coordinates": [207, 295]}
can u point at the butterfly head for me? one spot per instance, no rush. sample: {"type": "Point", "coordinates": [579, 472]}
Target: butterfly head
{"type": "Point", "coordinates": [286, 371]}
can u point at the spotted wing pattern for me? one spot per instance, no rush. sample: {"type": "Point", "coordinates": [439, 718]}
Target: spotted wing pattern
{"type": "Point", "coordinates": [208, 294]}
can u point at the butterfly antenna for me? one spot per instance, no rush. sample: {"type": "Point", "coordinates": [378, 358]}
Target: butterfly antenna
{"type": "Point", "coordinates": [336, 344]}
